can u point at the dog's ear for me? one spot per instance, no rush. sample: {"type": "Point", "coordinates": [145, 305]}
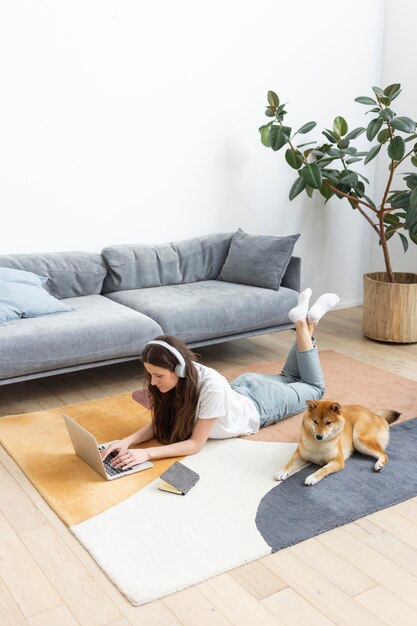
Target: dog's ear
{"type": "Point", "coordinates": [336, 408]}
{"type": "Point", "coordinates": [311, 405]}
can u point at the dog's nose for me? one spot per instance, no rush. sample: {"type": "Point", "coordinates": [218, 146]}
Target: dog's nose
{"type": "Point", "coordinates": [319, 437]}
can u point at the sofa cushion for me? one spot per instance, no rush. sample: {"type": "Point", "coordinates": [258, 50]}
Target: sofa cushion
{"type": "Point", "coordinates": [257, 260]}
{"type": "Point", "coordinates": [203, 310]}
{"type": "Point", "coordinates": [95, 330]}
{"type": "Point", "coordinates": [22, 294]}
{"type": "Point", "coordinates": [139, 266]}
{"type": "Point", "coordinates": [69, 274]}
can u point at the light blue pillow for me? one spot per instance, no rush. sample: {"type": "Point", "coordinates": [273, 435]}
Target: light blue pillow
{"type": "Point", "coordinates": [22, 294]}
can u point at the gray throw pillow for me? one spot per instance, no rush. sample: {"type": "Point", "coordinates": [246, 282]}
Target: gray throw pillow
{"type": "Point", "coordinates": [258, 260]}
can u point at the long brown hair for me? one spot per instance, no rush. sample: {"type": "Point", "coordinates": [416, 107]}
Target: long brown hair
{"type": "Point", "coordinates": [173, 412]}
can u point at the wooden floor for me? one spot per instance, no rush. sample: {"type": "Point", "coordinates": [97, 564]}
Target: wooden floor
{"type": "Point", "coordinates": [363, 573]}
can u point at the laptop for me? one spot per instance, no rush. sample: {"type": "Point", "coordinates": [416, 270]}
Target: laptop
{"type": "Point", "coordinates": [86, 447]}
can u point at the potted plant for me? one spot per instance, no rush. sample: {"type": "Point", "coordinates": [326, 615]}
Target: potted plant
{"type": "Point", "coordinates": [390, 298]}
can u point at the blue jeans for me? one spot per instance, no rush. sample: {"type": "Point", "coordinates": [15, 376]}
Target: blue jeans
{"type": "Point", "coordinates": [279, 396]}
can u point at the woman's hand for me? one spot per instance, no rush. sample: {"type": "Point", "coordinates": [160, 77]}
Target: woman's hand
{"type": "Point", "coordinates": [117, 446]}
{"type": "Point", "coordinates": [127, 458]}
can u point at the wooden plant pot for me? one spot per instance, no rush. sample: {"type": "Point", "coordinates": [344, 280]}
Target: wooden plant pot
{"type": "Point", "coordinates": [390, 309]}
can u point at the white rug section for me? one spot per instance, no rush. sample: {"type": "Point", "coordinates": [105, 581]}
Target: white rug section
{"type": "Point", "coordinates": [155, 543]}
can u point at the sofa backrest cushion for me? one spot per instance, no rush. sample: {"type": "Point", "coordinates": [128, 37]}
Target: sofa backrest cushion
{"type": "Point", "coordinates": [137, 266]}
{"type": "Point", "coordinates": [258, 260]}
{"type": "Point", "coordinates": [70, 274]}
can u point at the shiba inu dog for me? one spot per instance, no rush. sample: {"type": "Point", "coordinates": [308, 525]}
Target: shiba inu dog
{"type": "Point", "coordinates": [331, 432]}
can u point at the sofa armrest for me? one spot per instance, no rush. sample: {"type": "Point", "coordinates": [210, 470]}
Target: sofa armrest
{"type": "Point", "coordinates": [292, 276]}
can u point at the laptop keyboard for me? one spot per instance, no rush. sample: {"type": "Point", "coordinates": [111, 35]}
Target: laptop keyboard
{"type": "Point", "coordinates": [113, 471]}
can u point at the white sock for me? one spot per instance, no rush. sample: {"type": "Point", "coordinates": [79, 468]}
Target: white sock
{"type": "Point", "coordinates": [326, 302]}
{"type": "Point", "coordinates": [299, 312]}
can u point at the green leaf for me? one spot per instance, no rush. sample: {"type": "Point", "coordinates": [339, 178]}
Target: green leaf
{"type": "Point", "coordinates": [363, 178]}
{"type": "Point", "coordinates": [340, 126]}
{"type": "Point", "coordinates": [308, 143]}
{"type": "Point", "coordinates": [392, 91]}
{"type": "Point", "coordinates": [374, 127]}
{"type": "Point", "coordinates": [353, 160]}
{"type": "Point", "coordinates": [306, 128]}
{"type": "Point", "coordinates": [294, 158]}
{"type": "Point", "coordinates": [331, 175]}
{"type": "Point", "coordinates": [378, 91]}
{"type": "Point", "coordinates": [273, 99]}
{"type": "Point", "coordinates": [330, 136]}
{"type": "Point", "coordinates": [264, 131]}
{"type": "Point", "coordinates": [348, 178]}
{"type": "Point", "coordinates": [311, 174]}
{"type": "Point", "coordinates": [351, 151]}
{"type": "Point", "coordinates": [392, 219]}
{"type": "Point", "coordinates": [411, 181]}
{"type": "Point", "coordinates": [279, 136]}
{"type": "Point", "coordinates": [269, 112]}
{"type": "Point", "coordinates": [401, 200]}
{"type": "Point", "coordinates": [365, 100]}
{"type": "Point", "coordinates": [372, 153]}
{"type": "Point", "coordinates": [403, 124]}
{"type": "Point", "coordinates": [411, 219]}
{"type": "Point", "coordinates": [389, 233]}
{"type": "Point", "coordinates": [324, 161]}
{"type": "Point", "coordinates": [413, 198]}
{"type": "Point", "coordinates": [387, 114]}
{"type": "Point", "coordinates": [414, 161]}
{"type": "Point", "coordinates": [325, 191]}
{"type": "Point", "coordinates": [383, 135]}
{"type": "Point", "coordinates": [342, 144]}
{"type": "Point", "coordinates": [396, 148]}
{"type": "Point", "coordinates": [355, 133]}
{"type": "Point", "coordinates": [404, 241]}
{"type": "Point", "coordinates": [309, 191]}
{"type": "Point", "coordinates": [298, 186]}
{"type": "Point", "coordinates": [369, 201]}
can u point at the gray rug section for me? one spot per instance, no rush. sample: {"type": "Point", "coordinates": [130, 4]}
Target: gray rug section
{"type": "Point", "coordinates": [293, 512]}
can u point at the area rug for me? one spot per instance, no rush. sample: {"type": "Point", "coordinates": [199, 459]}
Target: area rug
{"type": "Point", "coordinates": [152, 543]}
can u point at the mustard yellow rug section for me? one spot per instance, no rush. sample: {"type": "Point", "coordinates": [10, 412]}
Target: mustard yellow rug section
{"type": "Point", "coordinates": [40, 445]}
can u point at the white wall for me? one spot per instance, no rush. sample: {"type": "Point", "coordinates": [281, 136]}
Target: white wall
{"type": "Point", "coordinates": [398, 67]}
{"type": "Point", "coordinates": [128, 121]}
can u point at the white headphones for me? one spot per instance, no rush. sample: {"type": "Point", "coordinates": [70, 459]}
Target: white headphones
{"type": "Point", "coordinates": [181, 367]}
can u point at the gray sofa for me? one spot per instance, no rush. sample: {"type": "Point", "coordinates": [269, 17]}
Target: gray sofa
{"type": "Point", "coordinates": [129, 294]}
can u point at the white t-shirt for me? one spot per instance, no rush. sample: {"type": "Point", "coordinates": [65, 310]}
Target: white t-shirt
{"type": "Point", "coordinates": [236, 414]}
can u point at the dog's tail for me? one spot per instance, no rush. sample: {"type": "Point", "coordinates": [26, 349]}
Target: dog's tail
{"type": "Point", "coordinates": [390, 416]}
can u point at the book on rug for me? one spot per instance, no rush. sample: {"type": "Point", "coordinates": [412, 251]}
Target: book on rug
{"type": "Point", "coordinates": [178, 479]}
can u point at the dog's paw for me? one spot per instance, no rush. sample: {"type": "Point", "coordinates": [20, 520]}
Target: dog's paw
{"type": "Point", "coordinates": [312, 479]}
{"type": "Point", "coordinates": [281, 475]}
{"type": "Point", "coordinates": [379, 466]}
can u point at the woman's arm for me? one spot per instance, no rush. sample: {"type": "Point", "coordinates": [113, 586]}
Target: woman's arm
{"type": "Point", "coordinates": [143, 434]}
{"type": "Point", "coordinates": [182, 448]}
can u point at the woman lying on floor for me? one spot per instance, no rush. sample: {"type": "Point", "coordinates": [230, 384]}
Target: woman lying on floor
{"type": "Point", "coordinates": [192, 403]}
